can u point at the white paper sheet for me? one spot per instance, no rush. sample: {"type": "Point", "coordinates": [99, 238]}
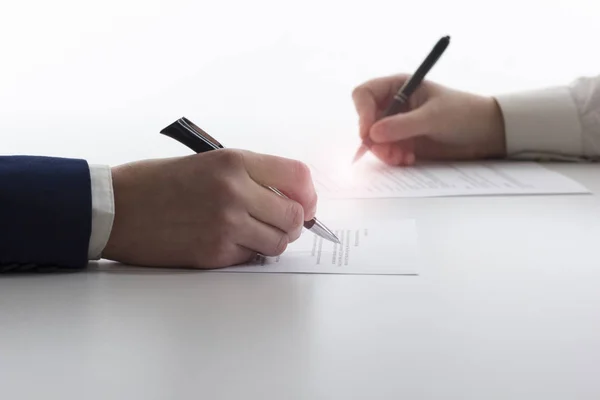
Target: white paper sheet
{"type": "Point", "coordinates": [373, 179]}
{"type": "Point", "coordinates": [368, 247]}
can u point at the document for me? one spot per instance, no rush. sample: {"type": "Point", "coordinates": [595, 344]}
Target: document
{"type": "Point", "coordinates": [374, 179]}
{"type": "Point", "coordinates": [367, 247]}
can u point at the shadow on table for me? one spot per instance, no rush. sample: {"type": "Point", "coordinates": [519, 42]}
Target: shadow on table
{"type": "Point", "coordinates": [109, 267]}
{"type": "Point", "coordinates": [15, 270]}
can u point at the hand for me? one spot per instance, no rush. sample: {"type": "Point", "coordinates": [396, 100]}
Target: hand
{"type": "Point", "coordinates": [208, 210]}
{"type": "Point", "coordinates": [438, 123]}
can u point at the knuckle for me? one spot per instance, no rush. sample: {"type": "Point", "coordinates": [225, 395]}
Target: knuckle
{"type": "Point", "coordinates": [295, 235]}
{"type": "Point", "coordinates": [227, 192]}
{"type": "Point", "coordinates": [227, 186]}
{"type": "Point", "coordinates": [301, 172]}
{"type": "Point", "coordinates": [281, 244]}
{"type": "Point", "coordinates": [294, 215]}
{"type": "Point", "coordinates": [312, 203]}
{"type": "Point", "coordinates": [228, 221]}
{"type": "Point", "coordinates": [232, 158]}
{"type": "Point", "coordinates": [358, 91]}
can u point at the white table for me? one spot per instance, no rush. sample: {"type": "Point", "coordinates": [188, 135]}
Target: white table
{"type": "Point", "coordinates": [506, 306]}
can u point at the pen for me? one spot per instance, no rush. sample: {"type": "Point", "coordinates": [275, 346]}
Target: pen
{"type": "Point", "coordinates": [407, 89]}
{"type": "Point", "coordinates": [186, 132]}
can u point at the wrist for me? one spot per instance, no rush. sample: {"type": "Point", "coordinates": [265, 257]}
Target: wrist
{"type": "Point", "coordinates": [114, 244]}
{"type": "Point", "coordinates": [493, 128]}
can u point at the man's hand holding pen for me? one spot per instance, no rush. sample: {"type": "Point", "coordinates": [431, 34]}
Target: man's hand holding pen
{"type": "Point", "coordinates": [208, 210]}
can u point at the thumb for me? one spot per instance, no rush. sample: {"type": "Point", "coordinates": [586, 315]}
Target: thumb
{"type": "Point", "coordinates": [401, 126]}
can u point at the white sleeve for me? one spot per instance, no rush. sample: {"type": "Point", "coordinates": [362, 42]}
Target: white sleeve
{"type": "Point", "coordinates": [561, 123]}
{"type": "Point", "coordinates": [103, 209]}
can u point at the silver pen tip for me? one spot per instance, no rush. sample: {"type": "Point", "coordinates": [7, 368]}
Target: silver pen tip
{"type": "Point", "coordinates": [321, 230]}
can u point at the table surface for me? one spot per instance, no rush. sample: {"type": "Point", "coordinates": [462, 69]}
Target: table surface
{"type": "Point", "coordinates": [507, 301]}
{"type": "Point", "coordinates": [505, 307]}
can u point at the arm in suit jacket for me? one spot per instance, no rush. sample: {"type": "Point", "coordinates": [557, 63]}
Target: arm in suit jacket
{"type": "Point", "coordinates": [45, 211]}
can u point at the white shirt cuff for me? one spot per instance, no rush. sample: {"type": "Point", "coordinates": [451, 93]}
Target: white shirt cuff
{"type": "Point", "coordinates": [103, 209]}
{"type": "Point", "coordinates": [541, 122]}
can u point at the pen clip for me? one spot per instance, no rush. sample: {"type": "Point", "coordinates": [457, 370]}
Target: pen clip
{"type": "Point", "coordinates": [186, 132]}
{"type": "Point", "coordinates": [200, 132]}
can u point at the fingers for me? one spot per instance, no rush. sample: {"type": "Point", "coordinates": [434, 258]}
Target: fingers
{"type": "Point", "coordinates": [373, 96]}
{"type": "Point", "coordinates": [262, 238]}
{"type": "Point", "coordinates": [290, 176]}
{"type": "Point", "coordinates": [284, 214]}
{"type": "Point", "coordinates": [404, 152]}
{"type": "Point", "coordinates": [388, 153]}
{"type": "Point", "coordinates": [236, 254]}
{"type": "Point", "coordinates": [381, 90]}
{"type": "Point", "coordinates": [401, 153]}
{"type": "Point", "coordinates": [366, 107]}
{"type": "Point", "coordinates": [410, 158]}
{"type": "Point", "coordinates": [401, 126]}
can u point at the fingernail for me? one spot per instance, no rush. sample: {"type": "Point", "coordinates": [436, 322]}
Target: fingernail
{"type": "Point", "coordinates": [361, 129]}
{"type": "Point", "coordinates": [313, 211]}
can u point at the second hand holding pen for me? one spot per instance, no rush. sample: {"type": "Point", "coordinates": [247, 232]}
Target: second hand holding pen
{"type": "Point", "coordinates": [407, 90]}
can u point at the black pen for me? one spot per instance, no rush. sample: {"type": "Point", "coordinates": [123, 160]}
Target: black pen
{"type": "Point", "coordinates": [186, 132]}
{"type": "Point", "coordinates": [407, 89]}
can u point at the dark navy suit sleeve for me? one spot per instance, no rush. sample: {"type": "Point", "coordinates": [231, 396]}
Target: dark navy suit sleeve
{"type": "Point", "coordinates": [45, 211]}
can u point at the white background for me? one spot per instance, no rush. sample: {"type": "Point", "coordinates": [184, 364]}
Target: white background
{"type": "Point", "coordinates": [98, 80]}
{"type": "Point", "coordinates": [482, 321]}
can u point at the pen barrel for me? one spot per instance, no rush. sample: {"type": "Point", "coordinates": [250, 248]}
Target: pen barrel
{"type": "Point", "coordinates": [413, 82]}
{"type": "Point", "coordinates": [277, 191]}
{"type": "Point", "coordinates": [395, 107]}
